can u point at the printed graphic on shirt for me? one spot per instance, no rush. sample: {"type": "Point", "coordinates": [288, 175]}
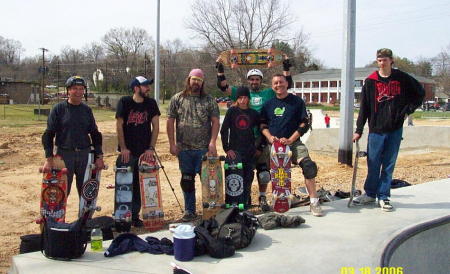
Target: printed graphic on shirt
{"type": "Point", "coordinates": [387, 91]}
{"type": "Point", "coordinates": [256, 101]}
{"type": "Point", "coordinates": [137, 117]}
{"type": "Point", "coordinates": [242, 122]}
{"type": "Point", "coordinates": [279, 111]}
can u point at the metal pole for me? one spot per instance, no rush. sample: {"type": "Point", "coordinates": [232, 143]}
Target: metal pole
{"type": "Point", "coordinates": [57, 81]}
{"type": "Point", "coordinates": [157, 65]}
{"type": "Point", "coordinates": [348, 84]}
{"type": "Point", "coordinates": [41, 96]}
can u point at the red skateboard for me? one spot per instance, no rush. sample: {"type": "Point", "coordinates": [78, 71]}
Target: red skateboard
{"type": "Point", "coordinates": [280, 174]}
{"type": "Point", "coordinates": [54, 192]}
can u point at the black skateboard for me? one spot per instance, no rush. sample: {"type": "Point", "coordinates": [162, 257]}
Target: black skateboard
{"type": "Point", "coordinates": [234, 182]}
{"type": "Point", "coordinates": [123, 196]}
{"type": "Point", "coordinates": [358, 154]}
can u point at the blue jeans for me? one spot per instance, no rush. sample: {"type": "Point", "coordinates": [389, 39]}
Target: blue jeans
{"type": "Point", "coordinates": [382, 151]}
{"type": "Point", "coordinates": [190, 162]}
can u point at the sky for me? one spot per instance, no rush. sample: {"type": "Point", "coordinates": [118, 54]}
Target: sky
{"type": "Point", "coordinates": [411, 28]}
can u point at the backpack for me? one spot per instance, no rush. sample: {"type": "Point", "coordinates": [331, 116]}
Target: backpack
{"type": "Point", "coordinates": [240, 227]}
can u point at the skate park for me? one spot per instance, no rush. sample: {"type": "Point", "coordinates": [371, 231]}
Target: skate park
{"type": "Point", "coordinates": [414, 237]}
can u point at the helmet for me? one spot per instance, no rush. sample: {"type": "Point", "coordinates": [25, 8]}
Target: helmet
{"type": "Point", "coordinates": [76, 80]}
{"type": "Point", "coordinates": [253, 72]}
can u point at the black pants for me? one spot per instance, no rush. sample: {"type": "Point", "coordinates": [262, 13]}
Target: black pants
{"type": "Point", "coordinates": [248, 179]}
{"type": "Point", "coordinates": [76, 162]}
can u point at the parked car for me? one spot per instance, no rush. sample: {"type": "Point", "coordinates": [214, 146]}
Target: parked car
{"type": "Point", "coordinates": [445, 107]}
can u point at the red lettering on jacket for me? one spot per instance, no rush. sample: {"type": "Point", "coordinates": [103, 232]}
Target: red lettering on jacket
{"type": "Point", "coordinates": [137, 117]}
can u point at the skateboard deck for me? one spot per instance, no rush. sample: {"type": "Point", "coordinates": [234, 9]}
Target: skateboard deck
{"type": "Point", "coordinates": [54, 191]}
{"type": "Point", "coordinates": [280, 175]}
{"type": "Point", "coordinates": [212, 185]}
{"type": "Point", "coordinates": [151, 202]}
{"type": "Point", "coordinates": [123, 195]}
{"type": "Point", "coordinates": [252, 57]}
{"type": "Point", "coordinates": [234, 181]}
{"type": "Point", "coordinates": [89, 190]}
{"type": "Point", "coordinates": [358, 154]}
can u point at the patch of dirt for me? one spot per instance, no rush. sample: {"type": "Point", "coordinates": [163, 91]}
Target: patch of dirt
{"type": "Point", "coordinates": [21, 155]}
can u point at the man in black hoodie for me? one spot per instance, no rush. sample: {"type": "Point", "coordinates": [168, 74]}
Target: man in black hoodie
{"type": "Point", "coordinates": [387, 97]}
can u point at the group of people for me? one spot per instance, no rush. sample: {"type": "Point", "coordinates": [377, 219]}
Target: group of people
{"type": "Point", "coordinates": [258, 117]}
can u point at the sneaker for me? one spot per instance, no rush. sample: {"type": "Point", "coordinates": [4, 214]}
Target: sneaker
{"type": "Point", "coordinates": [263, 203]}
{"type": "Point", "coordinates": [138, 223]}
{"type": "Point", "coordinates": [316, 209]}
{"type": "Point", "coordinates": [188, 216]}
{"type": "Point", "coordinates": [363, 200]}
{"type": "Point", "coordinates": [385, 205]}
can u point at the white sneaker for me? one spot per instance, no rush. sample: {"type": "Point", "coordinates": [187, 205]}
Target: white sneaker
{"type": "Point", "coordinates": [385, 205]}
{"type": "Point", "coordinates": [363, 200]}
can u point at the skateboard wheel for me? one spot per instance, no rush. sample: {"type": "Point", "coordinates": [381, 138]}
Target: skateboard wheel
{"type": "Point", "coordinates": [239, 165]}
{"type": "Point", "coordinates": [273, 153]}
{"type": "Point", "coordinates": [233, 66]}
{"type": "Point", "coordinates": [233, 51]}
{"type": "Point", "coordinates": [204, 158]}
{"type": "Point", "coordinates": [222, 158]}
{"type": "Point", "coordinates": [241, 206]}
{"type": "Point", "coordinates": [290, 154]}
{"type": "Point", "coordinates": [64, 171]}
{"type": "Point", "coordinates": [270, 64]}
{"type": "Point", "coordinates": [205, 205]}
{"type": "Point", "coordinates": [225, 166]}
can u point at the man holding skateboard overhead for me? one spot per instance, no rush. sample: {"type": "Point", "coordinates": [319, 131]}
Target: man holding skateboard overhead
{"type": "Point", "coordinates": [258, 97]}
{"type": "Point", "coordinates": [71, 127]}
{"type": "Point", "coordinates": [137, 125]}
{"type": "Point", "coordinates": [387, 98]}
{"type": "Point", "coordinates": [194, 116]}
{"type": "Point", "coordinates": [284, 118]}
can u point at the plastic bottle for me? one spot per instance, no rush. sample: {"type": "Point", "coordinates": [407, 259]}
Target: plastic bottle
{"type": "Point", "coordinates": [96, 239]}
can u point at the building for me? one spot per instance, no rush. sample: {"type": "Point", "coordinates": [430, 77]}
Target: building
{"type": "Point", "coordinates": [324, 86]}
{"type": "Point", "coordinates": [19, 92]}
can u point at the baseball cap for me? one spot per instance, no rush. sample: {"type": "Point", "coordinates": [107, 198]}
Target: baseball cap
{"type": "Point", "coordinates": [140, 81]}
{"type": "Point", "coordinates": [384, 52]}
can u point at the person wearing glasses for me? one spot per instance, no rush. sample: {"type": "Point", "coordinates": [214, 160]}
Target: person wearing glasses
{"type": "Point", "coordinates": [388, 96]}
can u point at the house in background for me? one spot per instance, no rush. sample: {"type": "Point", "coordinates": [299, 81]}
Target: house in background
{"type": "Point", "coordinates": [324, 86]}
{"type": "Point", "coordinates": [19, 92]}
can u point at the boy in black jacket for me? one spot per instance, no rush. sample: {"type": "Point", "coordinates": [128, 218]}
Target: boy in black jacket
{"type": "Point", "coordinates": [387, 97]}
{"type": "Point", "coordinates": [238, 135]}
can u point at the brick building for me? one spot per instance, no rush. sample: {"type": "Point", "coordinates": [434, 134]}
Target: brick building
{"type": "Point", "coordinates": [20, 92]}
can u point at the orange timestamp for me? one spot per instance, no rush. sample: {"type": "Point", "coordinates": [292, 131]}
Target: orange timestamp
{"type": "Point", "coordinates": [370, 270]}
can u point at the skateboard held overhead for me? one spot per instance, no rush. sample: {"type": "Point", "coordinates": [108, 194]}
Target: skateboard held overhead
{"type": "Point", "coordinates": [252, 57]}
{"type": "Point", "coordinates": [151, 202]}
{"type": "Point", "coordinates": [212, 185]}
{"type": "Point", "coordinates": [54, 192]}
{"type": "Point", "coordinates": [280, 175]}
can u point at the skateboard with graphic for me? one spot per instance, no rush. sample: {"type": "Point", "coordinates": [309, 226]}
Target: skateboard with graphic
{"type": "Point", "coordinates": [151, 202]}
{"type": "Point", "coordinates": [358, 154]}
{"type": "Point", "coordinates": [54, 192]}
{"type": "Point", "coordinates": [89, 190]}
{"type": "Point", "coordinates": [212, 185]}
{"type": "Point", "coordinates": [234, 182]}
{"type": "Point", "coordinates": [123, 194]}
{"type": "Point", "coordinates": [252, 57]}
{"type": "Point", "coordinates": [280, 175]}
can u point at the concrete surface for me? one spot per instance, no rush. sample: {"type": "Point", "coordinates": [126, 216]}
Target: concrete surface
{"type": "Point", "coordinates": [346, 237]}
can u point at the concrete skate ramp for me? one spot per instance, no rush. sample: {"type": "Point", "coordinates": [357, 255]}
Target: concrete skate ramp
{"type": "Point", "coordinates": [423, 248]}
{"type": "Point", "coordinates": [417, 137]}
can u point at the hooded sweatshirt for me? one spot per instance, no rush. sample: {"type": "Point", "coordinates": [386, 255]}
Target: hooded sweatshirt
{"type": "Point", "coordinates": [385, 102]}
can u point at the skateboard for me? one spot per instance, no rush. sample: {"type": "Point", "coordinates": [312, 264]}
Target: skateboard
{"type": "Point", "coordinates": [89, 190]}
{"type": "Point", "coordinates": [358, 154]}
{"type": "Point", "coordinates": [252, 57]}
{"type": "Point", "coordinates": [123, 196]}
{"type": "Point", "coordinates": [280, 175]}
{"type": "Point", "coordinates": [54, 192]}
{"type": "Point", "coordinates": [234, 181]}
{"type": "Point", "coordinates": [151, 202]}
{"type": "Point", "coordinates": [212, 185]}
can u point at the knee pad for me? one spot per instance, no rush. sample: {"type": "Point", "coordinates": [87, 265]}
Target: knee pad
{"type": "Point", "coordinates": [309, 168]}
{"type": "Point", "coordinates": [187, 182]}
{"type": "Point", "coordinates": [262, 174]}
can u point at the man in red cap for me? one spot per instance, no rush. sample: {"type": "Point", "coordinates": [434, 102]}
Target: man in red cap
{"type": "Point", "coordinates": [194, 116]}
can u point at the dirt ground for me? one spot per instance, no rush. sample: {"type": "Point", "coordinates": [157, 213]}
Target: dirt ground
{"type": "Point", "coordinates": [21, 155]}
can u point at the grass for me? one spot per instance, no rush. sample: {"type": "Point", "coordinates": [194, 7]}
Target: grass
{"type": "Point", "coordinates": [431, 115]}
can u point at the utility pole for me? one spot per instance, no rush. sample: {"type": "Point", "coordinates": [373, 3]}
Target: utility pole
{"type": "Point", "coordinates": [41, 96]}
{"type": "Point", "coordinates": [57, 80]}
{"type": "Point", "coordinates": [157, 65]}
{"type": "Point", "coordinates": [145, 64]}
{"type": "Point", "coordinates": [164, 79]}
{"type": "Point", "coordinates": [348, 84]}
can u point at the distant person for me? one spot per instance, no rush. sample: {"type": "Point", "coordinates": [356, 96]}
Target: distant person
{"type": "Point", "coordinates": [284, 118]}
{"type": "Point", "coordinates": [137, 124]}
{"type": "Point", "coordinates": [238, 136]}
{"type": "Point", "coordinates": [193, 117]}
{"type": "Point", "coordinates": [327, 121]}
{"type": "Point", "coordinates": [410, 121]}
{"type": "Point", "coordinates": [310, 119]}
{"type": "Point", "coordinates": [387, 97]}
{"type": "Point", "coordinates": [71, 127]}
{"type": "Point", "coordinates": [258, 97]}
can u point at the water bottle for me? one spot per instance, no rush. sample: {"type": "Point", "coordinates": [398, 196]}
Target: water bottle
{"type": "Point", "coordinates": [96, 239]}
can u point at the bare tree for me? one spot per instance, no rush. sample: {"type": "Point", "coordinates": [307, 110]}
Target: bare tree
{"type": "Point", "coordinates": [225, 24]}
{"type": "Point", "coordinates": [94, 52]}
{"type": "Point", "coordinates": [10, 51]}
{"type": "Point", "coordinates": [442, 70]}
